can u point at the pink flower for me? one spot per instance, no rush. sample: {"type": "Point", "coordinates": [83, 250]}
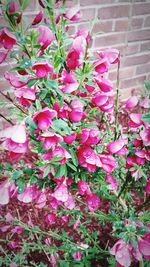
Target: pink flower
{"type": "Point", "coordinates": [51, 139]}
{"type": "Point", "coordinates": [44, 118]}
{"type": "Point", "coordinates": [72, 59]}
{"type": "Point", "coordinates": [70, 138]}
{"type": "Point", "coordinates": [7, 39]}
{"type": "Point", "coordinates": [51, 218]}
{"type": "Point", "coordinates": [42, 69]}
{"type": "Point", "coordinates": [144, 246]}
{"type": "Point", "coordinates": [112, 55]}
{"type": "Point", "coordinates": [41, 199]}
{"type": "Point", "coordinates": [46, 37]}
{"type": "Point", "coordinates": [104, 84]}
{"type": "Point", "coordinates": [61, 111]}
{"type": "Point", "coordinates": [61, 152]}
{"type": "Point", "coordinates": [99, 99]}
{"type": "Point", "coordinates": [89, 136]}
{"type": "Point", "coordinates": [83, 188]}
{"type": "Point", "coordinates": [117, 147]}
{"type": "Point", "coordinates": [88, 158]}
{"type": "Point", "coordinates": [145, 103]}
{"type": "Point", "coordinates": [3, 56]}
{"type": "Point", "coordinates": [77, 256]}
{"type": "Point", "coordinates": [145, 136]}
{"type": "Point", "coordinates": [61, 193]}
{"type": "Point", "coordinates": [12, 7]}
{"type": "Point", "coordinates": [25, 95]}
{"type": "Point", "coordinates": [70, 203]}
{"type": "Point", "coordinates": [113, 185]}
{"type": "Point", "coordinates": [38, 18]}
{"type": "Point", "coordinates": [79, 44]}
{"type": "Point", "coordinates": [76, 113]}
{"type": "Point", "coordinates": [93, 202]}
{"type": "Point", "coordinates": [101, 65]}
{"type": "Point", "coordinates": [131, 102]}
{"type": "Point", "coordinates": [135, 120]}
{"type": "Point", "coordinates": [28, 195]}
{"type": "Point", "coordinates": [73, 13]}
{"type": "Point", "coordinates": [108, 162]}
{"type": "Point", "coordinates": [14, 80]}
{"type": "Point", "coordinates": [122, 253]}
{"type": "Point", "coordinates": [4, 192]}
{"type": "Point", "coordinates": [17, 229]}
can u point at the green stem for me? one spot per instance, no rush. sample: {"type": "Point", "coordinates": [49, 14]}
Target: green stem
{"type": "Point", "coordinates": [141, 263]}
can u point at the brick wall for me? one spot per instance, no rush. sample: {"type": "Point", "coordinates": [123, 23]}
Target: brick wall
{"type": "Point", "coordinates": [120, 24]}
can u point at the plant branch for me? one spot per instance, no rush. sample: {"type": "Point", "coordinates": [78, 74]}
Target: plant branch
{"type": "Point", "coordinates": [9, 121]}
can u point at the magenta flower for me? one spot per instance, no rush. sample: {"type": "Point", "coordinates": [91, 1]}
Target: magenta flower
{"type": "Point", "coordinates": [76, 113]}
{"type": "Point", "coordinates": [38, 18]}
{"type": "Point", "coordinates": [4, 192]}
{"type": "Point", "coordinates": [131, 102]}
{"type": "Point", "coordinates": [112, 55]}
{"type": "Point", "coordinates": [145, 136]}
{"type": "Point", "coordinates": [46, 37]}
{"type": "Point", "coordinates": [104, 84]}
{"type": "Point", "coordinates": [145, 103]}
{"type": "Point", "coordinates": [51, 218]}
{"type": "Point", "coordinates": [73, 59]}
{"type": "Point", "coordinates": [89, 136]}
{"type": "Point", "coordinates": [113, 184]}
{"type": "Point", "coordinates": [42, 69]}
{"type": "Point", "coordinates": [88, 158]}
{"type": "Point", "coordinates": [144, 246]}
{"type": "Point", "coordinates": [70, 138]}
{"type": "Point", "coordinates": [50, 139]}
{"type": "Point", "coordinates": [61, 193]}
{"type": "Point", "coordinates": [93, 202]}
{"type": "Point", "coordinates": [77, 256]}
{"type": "Point", "coordinates": [135, 120]}
{"type": "Point", "coordinates": [99, 99]}
{"type": "Point", "coordinates": [14, 80]}
{"type": "Point", "coordinates": [41, 199]}
{"type": "Point", "coordinates": [73, 13]}
{"type": "Point", "coordinates": [79, 44]}
{"type": "Point", "coordinates": [12, 7]}
{"type": "Point", "coordinates": [61, 111]}
{"type": "Point", "coordinates": [147, 187]}
{"type": "Point", "coordinates": [108, 162]}
{"type": "Point", "coordinates": [121, 252]}
{"type": "Point", "coordinates": [83, 188]}
{"type": "Point", "coordinates": [62, 153]}
{"type": "Point", "coordinates": [117, 147]}
{"type": "Point", "coordinates": [101, 65]}
{"type": "Point", "coordinates": [44, 118]}
{"type": "Point", "coordinates": [7, 39]}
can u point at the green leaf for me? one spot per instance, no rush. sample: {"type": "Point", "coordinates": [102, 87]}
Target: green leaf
{"type": "Point", "coordinates": [33, 180]}
{"type": "Point", "coordinates": [46, 171]}
{"type": "Point", "coordinates": [31, 82]}
{"type": "Point", "coordinates": [146, 117]}
{"type": "Point", "coordinates": [25, 63]}
{"type": "Point", "coordinates": [16, 175]}
{"type": "Point", "coordinates": [38, 105]}
{"type": "Point", "coordinates": [21, 185]}
{"type": "Point", "coordinates": [61, 127]}
{"type": "Point", "coordinates": [74, 156]}
{"type": "Point", "coordinates": [31, 123]}
{"type": "Point", "coordinates": [61, 171]}
{"type": "Point", "coordinates": [72, 166]}
{"type": "Point", "coordinates": [24, 4]}
{"type": "Point", "coordinates": [147, 85]}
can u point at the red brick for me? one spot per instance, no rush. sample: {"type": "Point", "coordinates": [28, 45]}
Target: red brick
{"type": "Point", "coordinates": [136, 23]}
{"type": "Point", "coordinates": [142, 69]}
{"type": "Point", "coordinates": [132, 48]}
{"type": "Point", "coordinates": [136, 81]}
{"type": "Point", "coordinates": [88, 14]}
{"type": "Point", "coordinates": [121, 25]}
{"type": "Point", "coordinates": [138, 35]}
{"type": "Point", "coordinates": [102, 26]}
{"type": "Point", "coordinates": [124, 73]}
{"type": "Point", "coordinates": [145, 46]}
{"type": "Point", "coordinates": [147, 22]}
{"type": "Point", "coordinates": [110, 39]}
{"type": "Point", "coordinates": [111, 12]}
{"type": "Point", "coordinates": [4, 86]}
{"type": "Point", "coordinates": [136, 60]}
{"type": "Point", "coordinates": [141, 9]}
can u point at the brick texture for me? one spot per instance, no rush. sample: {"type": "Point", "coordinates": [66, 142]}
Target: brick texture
{"type": "Point", "coordinates": [121, 24]}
